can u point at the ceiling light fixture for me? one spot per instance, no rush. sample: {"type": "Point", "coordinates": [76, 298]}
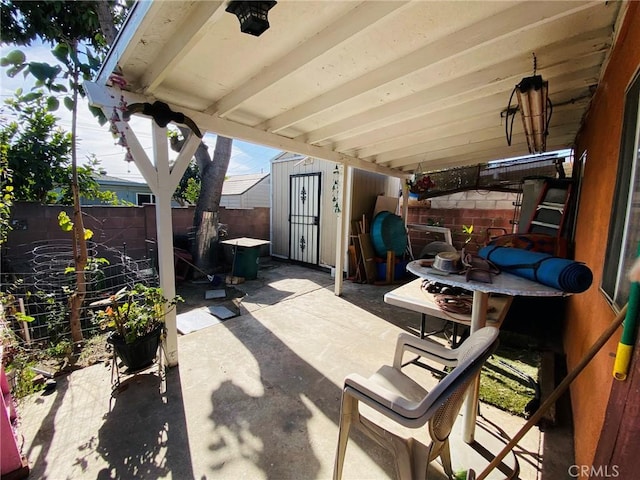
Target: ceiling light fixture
{"type": "Point", "coordinates": [535, 107]}
{"type": "Point", "coordinates": [252, 15]}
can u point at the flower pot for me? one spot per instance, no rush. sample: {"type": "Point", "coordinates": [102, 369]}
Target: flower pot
{"type": "Point", "coordinates": [139, 354]}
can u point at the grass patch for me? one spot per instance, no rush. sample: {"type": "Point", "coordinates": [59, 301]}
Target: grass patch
{"type": "Point", "coordinates": [504, 388]}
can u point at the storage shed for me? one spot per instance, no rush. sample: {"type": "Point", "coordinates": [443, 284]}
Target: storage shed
{"type": "Point", "coordinates": [304, 200]}
{"type": "Point", "coordinates": [246, 191]}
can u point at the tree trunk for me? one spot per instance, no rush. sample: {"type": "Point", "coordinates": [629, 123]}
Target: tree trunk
{"type": "Point", "coordinates": [79, 244]}
{"type": "Point", "coordinates": [105, 18]}
{"type": "Point", "coordinates": [212, 173]}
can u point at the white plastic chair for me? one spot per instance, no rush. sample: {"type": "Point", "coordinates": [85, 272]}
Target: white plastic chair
{"type": "Point", "coordinates": [400, 399]}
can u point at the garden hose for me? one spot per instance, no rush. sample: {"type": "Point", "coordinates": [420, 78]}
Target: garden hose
{"type": "Point", "coordinates": [629, 327]}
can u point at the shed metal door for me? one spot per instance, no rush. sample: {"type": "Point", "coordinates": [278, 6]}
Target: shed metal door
{"type": "Point", "coordinates": [304, 219]}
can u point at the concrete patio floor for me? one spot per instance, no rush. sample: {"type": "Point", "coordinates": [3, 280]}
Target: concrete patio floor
{"type": "Point", "coordinates": [258, 397]}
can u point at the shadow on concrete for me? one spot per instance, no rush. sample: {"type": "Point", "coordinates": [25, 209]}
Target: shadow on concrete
{"type": "Point", "coordinates": [145, 433]}
{"type": "Point", "coordinates": [42, 439]}
{"type": "Point", "coordinates": [272, 429]}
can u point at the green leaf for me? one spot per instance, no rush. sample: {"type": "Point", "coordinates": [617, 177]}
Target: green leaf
{"type": "Point", "coordinates": [65, 222]}
{"type": "Point", "coordinates": [23, 317]}
{"type": "Point", "coordinates": [30, 97]}
{"type": "Point", "coordinates": [39, 70]}
{"type": "Point", "coordinates": [13, 71]}
{"type": "Point", "coordinates": [14, 57]}
{"type": "Point", "coordinates": [99, 114]}
{"type": "Point", "coordinates": [52, 104]}
{"type": "Point", "coordinates": [88, 234]}
{"type": "Point", "coordinates": [68, 102]}
{"type": "Point", "coordinates": [44, 71]}
{"type": "Point", "coordinates": [61, 52]}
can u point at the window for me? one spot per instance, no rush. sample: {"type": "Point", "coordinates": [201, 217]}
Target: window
{"type": "Point", "coordinates": [142, 198]}
{"type": "Point", "coordinates": [624, 229]}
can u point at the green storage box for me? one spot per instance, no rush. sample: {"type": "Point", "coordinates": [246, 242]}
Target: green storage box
{"type": "Point", "coordinates": [245, 263]}
{"type": "Point", "coordinates": [246, 256]}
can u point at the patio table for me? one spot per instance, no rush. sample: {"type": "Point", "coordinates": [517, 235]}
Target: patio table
{"type": "Point", "coordinates": [503, 283]}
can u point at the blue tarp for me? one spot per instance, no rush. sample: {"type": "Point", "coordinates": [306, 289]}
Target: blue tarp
{"type": "Point", "coordinates": [566, 275]}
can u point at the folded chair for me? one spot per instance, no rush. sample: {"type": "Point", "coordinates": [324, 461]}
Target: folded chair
{"type": "Point", "coordinates": [402, 401]}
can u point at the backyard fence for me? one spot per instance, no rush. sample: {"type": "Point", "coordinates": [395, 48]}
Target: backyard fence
{"type": "Point", "coordinates": [37, 279]}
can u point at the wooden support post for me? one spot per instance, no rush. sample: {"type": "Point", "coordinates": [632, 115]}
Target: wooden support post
{"type": "Point", "coordinates": [391, 264]}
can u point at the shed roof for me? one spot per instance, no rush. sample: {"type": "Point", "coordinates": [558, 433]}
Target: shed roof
{"type": "Point", "coordinates": [111, 180]}
{"type": "Point", "coordinates": [239, 184]}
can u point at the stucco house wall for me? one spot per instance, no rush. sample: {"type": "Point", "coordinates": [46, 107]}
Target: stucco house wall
{"type": "Point", "coordinates": [588, 314]}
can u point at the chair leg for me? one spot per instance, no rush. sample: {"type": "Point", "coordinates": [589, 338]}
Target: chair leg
{"type": "Point", "coordinates": [445, 455]}
{"type": "Point", "coordinates": [402, 454]}
{"type": "Point", "coordinates": [348, 408]}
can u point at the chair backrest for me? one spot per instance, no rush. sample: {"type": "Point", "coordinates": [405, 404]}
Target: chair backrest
{"type": "Point", "coordinates": [443, 402]}
{"type": "Point", "coordinates": [475, 351]}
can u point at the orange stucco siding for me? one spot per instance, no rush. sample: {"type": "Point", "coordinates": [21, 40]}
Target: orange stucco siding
{"type": "Point", "coordinates": [588, 314]}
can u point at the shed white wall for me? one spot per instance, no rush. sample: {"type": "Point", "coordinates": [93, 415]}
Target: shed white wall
{"type": "Point", "coordinates": [366, 187]}
{"type": "Point", "coordinates": [256, 196]}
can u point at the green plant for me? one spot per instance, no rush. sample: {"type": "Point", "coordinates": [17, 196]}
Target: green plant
{"type": "Point", "coordinates": [17, 359]}
{"type": "Point", "coordinates": [135, 312]}
{"type": "Point", "coordinates": [60, 350]}
{"type": "Point", "coordinates": [22, 374]}
{"type": "Point", "coordinates": [468, 231]}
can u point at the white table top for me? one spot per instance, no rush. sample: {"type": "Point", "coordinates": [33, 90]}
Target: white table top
{"type": "Point", "coordinates": [412, 297]}
{"type": "Point", "coordinates": [504, 283]}
{"type": "Point", "coordinates": [245, 242]}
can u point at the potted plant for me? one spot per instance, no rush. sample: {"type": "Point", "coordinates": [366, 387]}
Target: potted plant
{"type": "Point", "coordinates": [137, 317]}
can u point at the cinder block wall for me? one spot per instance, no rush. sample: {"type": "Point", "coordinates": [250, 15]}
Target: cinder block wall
{"type": "Point", "coordinates": [115, 226]}
{"type": "Point", "coordinates": [252, 223]}
{"type": "Point", "coordinates": [483, 210]}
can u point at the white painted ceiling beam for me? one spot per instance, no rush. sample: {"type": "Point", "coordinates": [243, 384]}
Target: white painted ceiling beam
{"type": "Point", "coordinates": [142, 161]}
{"type": "Point", "coordinates": [448, 95]}
{"type": "Point", "coordinates": [575, 53]}
{"type": "Point", "coordinates": [128, 38]}
{"type": "Point", "coordinates": [362, 17]}
{"type": "Point", "coordinates": [108, 98]}
{"type": "Point", "coordinates": [508, 22]}
{"type": "Point", "coordinates": [509, 71]}
{"type": "Point", "coordinates": [194, 27]}
{"type": "Point", "coordinates": [496, 143]}
{"type": "Point", "coordinates": [484, 156]}
{"type": "Point", "coordinates": [397, 158]}
{"type": "Point", "coordinates": [452, 133]}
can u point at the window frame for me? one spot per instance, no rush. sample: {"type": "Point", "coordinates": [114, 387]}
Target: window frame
{"type": "Point", "coordinates": [150, 195]}
{"type": "Point", "coordinates": [622, 240]}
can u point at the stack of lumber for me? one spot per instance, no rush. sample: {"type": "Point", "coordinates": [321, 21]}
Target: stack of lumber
{"type": "Point", "coordinates": [362, 257]}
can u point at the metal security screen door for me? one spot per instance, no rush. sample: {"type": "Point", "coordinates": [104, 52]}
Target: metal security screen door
{"type": "Point", "coordinates": [304, 219]}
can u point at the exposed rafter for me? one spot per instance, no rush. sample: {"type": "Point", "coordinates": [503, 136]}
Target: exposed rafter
{"type": "Point", "coordinates": [196, 24]}
{"type": "Point", "coordinates": [363, 16]}
{"type": "Point", "coordinates": [108, 98]}
{"type": "Point", "coordinates": [509, 22]}
{"type": "Point", "coordinates": [381, 86]}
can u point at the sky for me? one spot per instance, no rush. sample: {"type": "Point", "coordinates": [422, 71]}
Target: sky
{"type": "Point", "coordinates": [246, 158]}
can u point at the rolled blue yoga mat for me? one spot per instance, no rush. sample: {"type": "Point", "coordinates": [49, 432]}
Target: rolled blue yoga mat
{"type": "Point", "coordinates": [566, 275]}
